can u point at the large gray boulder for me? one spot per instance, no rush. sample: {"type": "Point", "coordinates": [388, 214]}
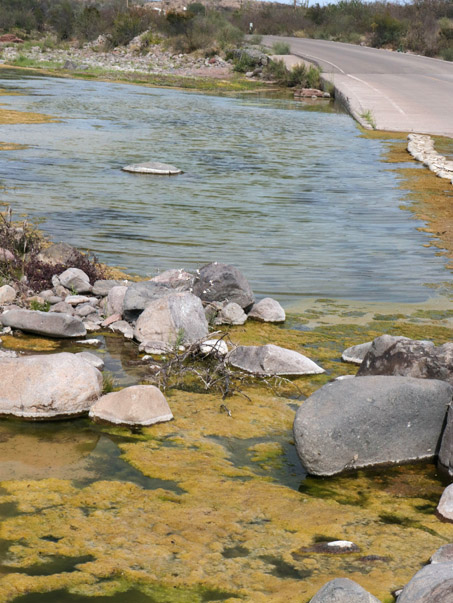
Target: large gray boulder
{"type": "Point", "coordinates": [410, 358]}
{"type": "Point", "coordinates": [445, 507]}
{"type": "Point", "coordinates": [139, 295]}
{"type": "Point", "coordinates": [445, 459]}
{"type": "Point", "coordinates": [48, 386]}
{"type": "Point", "coordinates": [179, 316]}
{"type": "Point", "coordinates": [59, 253]}
{"type": "Point", "coordinates": [175, 278]}
{"type": "Point", "coordinates": [443, 555]}
{"type": "Point", "coordinates": [222, 282]}
{"type": "Point", "coordinates": [432, 584]}
{"type": "Point", "coordinates": [268, 310]}
{"type": "Point", "coordinates": [136, 405]}
{"type": "Point", "coordinates": [268, 360]}
{"type": "Point", "coordinates": [369, 421]}
{"type": "Point", "coordinates": [51, 324]}
{"type": "Point", "coordinates": [76, 280]}
{"type": "Point", "coordinates": [343, 590]}
{"type": "Point", "coordinates": [115, 300]}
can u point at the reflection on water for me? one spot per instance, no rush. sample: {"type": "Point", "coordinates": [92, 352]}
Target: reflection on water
{"type": "Point", "coordinates": [294, 197]}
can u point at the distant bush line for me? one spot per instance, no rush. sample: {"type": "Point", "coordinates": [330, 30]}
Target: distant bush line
{"type": "Point", "coordinates": [421, 26]}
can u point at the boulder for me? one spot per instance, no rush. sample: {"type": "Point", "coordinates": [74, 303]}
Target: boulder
{"type": "Point", "coordinates": [445, 460]}
{"type": "Point", "coordinates": [267, 310]}
{"type": "Point", "coordinates": [406, 357]}
{"type": "Point", "coordinates": [102, 287]}
{"type": "Point", "coordinates": [369, 421]}
{"type": "Point", "coordinates": [268, 360]}
{"type": "Point", "coordinates": [48, 386]}
{"type": "Point", "coordinates": [153, 167]}
{"type": "Point", "coordinates": [445, 507]}
{"type": "Point", "coordinates": [217, 347]}
{"type": "Point", "coordinates": [231, 314]}
{"type": "Point", "coordinates": [6, 255]}
{"type": "Point", "coordinates": [75, 279]}
{"type": "Point", "coordinates": [443, 555]}
{"type": "Point", "coordinates": [51, 324]}
{"type": "Point", "coordinates": [222, 282]}
{"type": "Point", "coordinates": [432, 584]}
{"type": "Point", "coordinates": [7, 295]}
{"type": "Point", "coordinates": [175, 278]}
{"type": "Point", "coordinates": [115, 300]}
{"type": "Point", "coordinates": [179, 316]}
{"type": "Point", "coordinates": [139, 295]}
{"type": "Point", "coordinates": [59, 253]}
{"type": "Point", "coordinates": [356, 353]}
{"type": "Point", "coordinates": [343, 590]}
{"type": "Point", "coordinates": [136, 405]}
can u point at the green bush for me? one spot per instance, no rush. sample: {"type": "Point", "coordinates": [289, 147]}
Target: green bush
{"type": "Point", "coordinates": [387, 30]}
{"type": "Point", "coordinates": [299, 75]}
{"type": "Point", "coordinates": [447, 54]}
{"type": "Point", "coordinates": [281, 48]}
{"type": "Point", "coordinates": [244, 62]}
{"type": "Point", "coordinates": [89, 23]}
{"type": "Point", "coordinates": [125, 28]}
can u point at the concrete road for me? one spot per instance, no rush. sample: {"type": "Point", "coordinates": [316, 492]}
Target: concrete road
{"type": "Point", "coordinates": [398, 92]}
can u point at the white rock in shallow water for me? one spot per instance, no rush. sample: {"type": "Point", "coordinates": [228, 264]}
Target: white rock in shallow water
{"type": "Point", "coordinates": [136, 405]}
{"type": "Point", "coordinates": [153, 167]}
{"type": "Point", "coordinates": [267, 360]}
{"type": "Point", "coordinates": [48, 386]}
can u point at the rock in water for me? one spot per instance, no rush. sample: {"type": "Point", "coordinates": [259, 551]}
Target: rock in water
{"type": "Point", "coordinates": [268, 310]}
{"type": "Point", "coordinates": [432, 584]}
{"type": "Point", "coordinates": [52, 324]}
{"type": "Point", "coordinates": [222, 282]}
{"type": "Point", "coordinates": [167, 319]}
{"type": "Point", "coordinates": [48, 386]}
{"type": "Point", "coordinates": [343, 590]}
{"type": "Point", "coordinates": [136, 405]}
{"type": "Point", "coordinates": [153, 167]}
{"type": "Point", "coordinates": [445, 507]}
{"type": "Point", "coordinates": [369, 421]}
{"type": "Point", "coordinates": [268, 360]}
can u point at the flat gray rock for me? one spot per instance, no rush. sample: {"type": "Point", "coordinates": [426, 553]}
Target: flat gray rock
{"type": "Point", "coordinates": [153, 167]}
{"type": "Point", "coordinates": [445, 506]}
{"type": "Point", "coordinates": [48, 386]}
{"type": "Point", "coordinates": [369, 421]}
{"type": "Point", "coordinates": [139, 295]}
{"type": "Point", "coordinates": [51, 324]}
{"type": "Point", "coordinates": [343, 590]}
{"type": "Point", "coordinates": [356, 353]}
{"type": "Point", "coordinates": [136, 405]}
{"type": "Point", "coordinates": [268, 360]}
{"type": "Point", "coordinates": [223, 282]}
{"type": "Point", "coordinates": [432, 584]}
{"type": "Point", "coordinates": [268, 310]}
{"type": "Point", "coordinates": [176, 316]}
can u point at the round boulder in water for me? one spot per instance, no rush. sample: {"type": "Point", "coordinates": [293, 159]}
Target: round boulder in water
{"type": "Point", "coordinates": [153, 167]}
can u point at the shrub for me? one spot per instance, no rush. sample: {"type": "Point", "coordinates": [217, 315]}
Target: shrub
{"type": "Point", "coordinates": [125, 28]}
{"type": "Point", "coordinates": [387, 30]}
{"type": "Point", "coordinates": [447, 54]}
{"type": "Point", "coordinates": [281, 48]}
{"type": "Point", "coordinates": [297, 76]}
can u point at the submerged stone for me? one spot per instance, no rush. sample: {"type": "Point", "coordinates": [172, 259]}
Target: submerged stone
{"type": "Point", "coordinates": [153, 167]}
{"type": "Point", "coordinates": [268, 360]}
{"type": "Point", "coordinates": [343, 590]}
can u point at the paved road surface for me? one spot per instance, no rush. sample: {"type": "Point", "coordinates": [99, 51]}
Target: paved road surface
{"type": "Point", "coordinates": [402, 92]}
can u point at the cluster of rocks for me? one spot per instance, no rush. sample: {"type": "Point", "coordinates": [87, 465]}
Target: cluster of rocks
{"type": "Point", "coordinates": [134, 58]}
{"type": "Point", "coordinates": [313, 93]}
{"type": "Point", "coordinates": [397, 409]}
{"type": "Point", "coordinates": [421, 147]}
{"type": "Point", "coordinates": [168, 312]}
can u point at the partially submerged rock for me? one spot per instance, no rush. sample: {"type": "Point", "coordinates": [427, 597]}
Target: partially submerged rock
{"type": "Point", "coordinates": [92, 359]}
{"type": "Point", "coordinates": [445, 507]}
{"type": "Point", "coordinates": [356, 353]}
{"type": "Point", "coordinates": [268, 310]}
{"type": "Point", "coordinates": [152, 167]}
{"type": "Point", "coordinates": [268, 360]}
{"type": "Point", "coordinates": [177, 317]}
{"type": "Point", "coordinates": [369, 421]}
{"type": "Point", "coordinates": [48, 386]}
{"type": "Point", "coordinates": [222, 282]}
{"type": "Point", "coordinates": [432, 584]}
{"type": "Point", "coordinates": [343, 590]}
{"type": "Point", "coordinates": [52, 324]}
{"type": "Point", "coordinates": [136, 405]}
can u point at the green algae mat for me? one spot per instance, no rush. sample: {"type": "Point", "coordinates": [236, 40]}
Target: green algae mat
{"type": "Point", "coordinates": [213, 506]}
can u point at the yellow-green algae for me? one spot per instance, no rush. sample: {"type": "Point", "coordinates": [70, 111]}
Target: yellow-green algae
{"type": "Point", "coordinates": [178, 544]}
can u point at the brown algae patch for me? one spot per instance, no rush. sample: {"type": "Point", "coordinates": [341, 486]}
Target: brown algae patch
{"type": "Point", "coordinates": [11, 146]}
{"type": "Point", "coordinates": [9, 116]}
{"type": "Point", "coordinates": [236, 525]}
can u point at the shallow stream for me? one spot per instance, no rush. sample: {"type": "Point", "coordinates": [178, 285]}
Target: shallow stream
{"type": "Point", "coordinates": [213, 507]}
